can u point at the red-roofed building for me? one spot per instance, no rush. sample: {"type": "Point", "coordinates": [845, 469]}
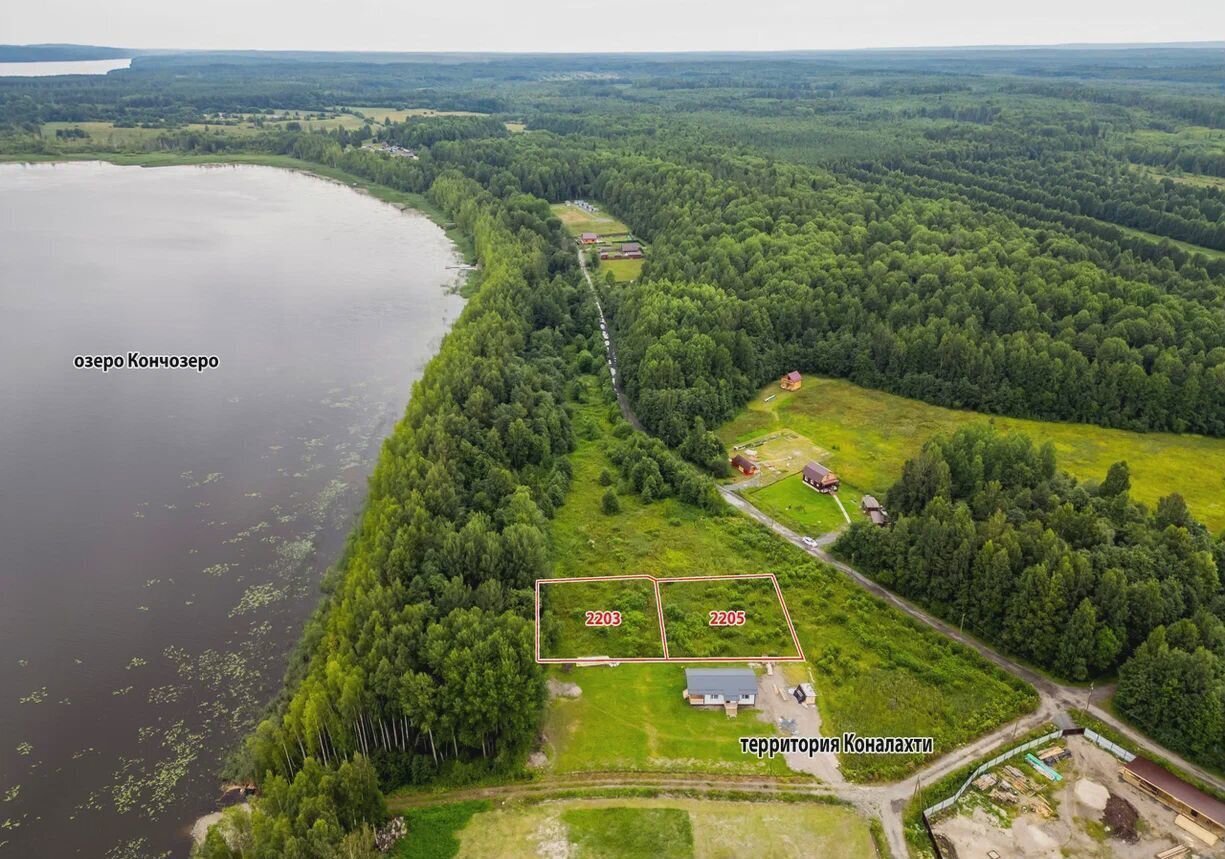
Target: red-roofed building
{"type": "Point", "coordinates": [1169, 789]}
{"type": "Point", "coordinates": [743, 464]}
{"type": "Point", "coordinates": [792, 381]}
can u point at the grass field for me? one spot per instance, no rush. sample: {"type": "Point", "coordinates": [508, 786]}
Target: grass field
{"type": "Point", "coordinates": [805, 510]}
{"type": "Point", "coordinates": [564, 608]}
{"type": "Point", "coordinates": [628, 833]}
{"type": "Point", "coordinates": [870, 435]}
{"type": "Point", "coordinates": [396, 114]}
{"type": "Point", "coordinates": [578, 221]}
{"type": "Point", "coordinates": [633, 718]}
{"type": "Point", "coordinates": [875, 671]}
{"type": "Point", "coordinates": [623, 270]}
{"type": "Point", "coordinates": [433, 832]}
{"type": "Point", "coordinates": [687, 608]}
{"type": "Point", "coordinates": [664, 828]}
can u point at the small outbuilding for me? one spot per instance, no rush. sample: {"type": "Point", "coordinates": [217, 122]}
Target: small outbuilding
{"type": "Point", "coordinates": [716, 687]}
{"type": "Point", "coordinates": [1203, 810]}
{"type": "Point", "coordinates": [792, 381]}
{"type": "Point", "coordinates": [874, 511]}
{"type": "Point", "coordinates": [589, 238]}
{"type": "Point", "coordinates": [820, 478]}
{"type": "Point", "coordinates": [743, 464]}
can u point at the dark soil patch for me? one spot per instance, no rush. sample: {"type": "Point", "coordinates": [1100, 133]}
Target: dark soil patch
{"type": "Point", "coordinates": [1121, 816]}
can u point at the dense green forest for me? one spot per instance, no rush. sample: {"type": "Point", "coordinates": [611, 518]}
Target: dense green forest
{"type": "Point", "coordinates": [1033, 233]}
{"type": "Point", "coordinates": [1076, 578]}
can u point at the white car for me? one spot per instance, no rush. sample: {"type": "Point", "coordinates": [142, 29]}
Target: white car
{"type": "Point", "coordinates": [809, 541]}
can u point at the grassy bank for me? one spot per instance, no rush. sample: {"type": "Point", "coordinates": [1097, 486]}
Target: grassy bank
{"type": "Point", "coordinates": [871, 434]}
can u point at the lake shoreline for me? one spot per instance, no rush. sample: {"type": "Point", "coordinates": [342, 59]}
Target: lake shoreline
{"type": "Point", "coordinates": [403, 200]}
{"type": "Point", "coordinates": [271, 567]}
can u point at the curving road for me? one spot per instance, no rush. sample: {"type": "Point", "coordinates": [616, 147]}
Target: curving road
{"type": "Point", "coordinates": [1055, 697]}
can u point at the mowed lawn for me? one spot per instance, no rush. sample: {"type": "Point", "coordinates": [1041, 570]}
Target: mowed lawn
{"type": "Point", "coordinates": [567, 635]}
{"type": "Point", "coordinates": [875, 671]}
{"type": "Point", "coordinates": [666, 828]}
{"type": "Point", "coordinates": [578, 221]}
{"type": "Point", "coordinates": [692, 631]}
{"type": "Point", "coordinates": [803, 509]}
{"type": "Point", "coordinates": [634, 718]}
{"type": "Point", "coordinates": [623, 270]}
{"type": "Point", "coordinates": [871, 434]}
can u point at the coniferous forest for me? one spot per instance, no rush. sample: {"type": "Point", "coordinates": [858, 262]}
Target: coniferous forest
{"type": "Point", "coordinates": [1037, 234]}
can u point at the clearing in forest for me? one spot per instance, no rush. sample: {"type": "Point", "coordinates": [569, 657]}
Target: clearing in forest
{"type": "Point", "coordinates": [871, 434]}
{"type": "Point", "coordinates": [578, 221]}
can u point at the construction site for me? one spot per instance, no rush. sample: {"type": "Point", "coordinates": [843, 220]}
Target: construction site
{"type": "Point", "coordinates": [1071, 799]}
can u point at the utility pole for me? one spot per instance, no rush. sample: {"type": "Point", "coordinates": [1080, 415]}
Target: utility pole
{"type": "Point", "coordinates": [1089, 697]}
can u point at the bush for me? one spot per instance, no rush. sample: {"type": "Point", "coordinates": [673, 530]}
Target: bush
{"type": "Point", "coordinates": [609, 504]}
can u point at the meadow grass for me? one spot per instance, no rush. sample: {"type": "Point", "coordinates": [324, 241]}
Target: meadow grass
{"type": "Point", "coordinates": [687, 608]}
{"type": "Point", "coordinates": [875, 671]}
{"type": "Point", "coordinates": [432, 831]}
{"type": "Point", "coordinates": [628, 833]}
{"type": "Point", "coordinates": [564, 608]}
{"type": "Point", "coordinates": [718, 828]}
{"type": "Point", "coordinates": [870, 435]}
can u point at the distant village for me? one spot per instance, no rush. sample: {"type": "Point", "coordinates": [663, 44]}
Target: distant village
{"type": "Point", "coordinates": [390, 148]}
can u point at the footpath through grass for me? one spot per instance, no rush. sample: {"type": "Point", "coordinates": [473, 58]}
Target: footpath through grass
{"type": "Point", "coordinates": [871, 434]}
{"type": "Point", "coordinates": [876, 672]}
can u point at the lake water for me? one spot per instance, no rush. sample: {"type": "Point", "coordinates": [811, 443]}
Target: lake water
{"type": "Point", "coordinates": [70, 67]}
{"type": "Point", "coordinates": [162, 531]}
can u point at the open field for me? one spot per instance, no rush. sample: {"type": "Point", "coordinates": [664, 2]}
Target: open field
{"type": "Point", "coordinates": [634, 718]}
{"type": "Point", "coordinates": [628, 833]}
{"type": "Point", "coordinates": [870, 434]}
{"type": "Point", "coordinates": [803, 509]}
{"type": "Point", "coordinates": [658, 828]}
{"type": "Point", "coordinates": [578, 221]}
{"type": "Point", "coordinates": [875, 671]}
{"type": "Point", "coordinates": [566, 634]}
{"type": "Point", "coordinates": [396, 114]}
{"type": "Point", "coordinates": [688, 623]}
{"type": "Point", "coordinates": [623, 270]}
{"type": "Point", "coordinates": [435, 830]}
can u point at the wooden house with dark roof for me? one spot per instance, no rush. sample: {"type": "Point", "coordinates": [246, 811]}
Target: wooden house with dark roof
{"type": "Point", "coordinates": [820, 478]}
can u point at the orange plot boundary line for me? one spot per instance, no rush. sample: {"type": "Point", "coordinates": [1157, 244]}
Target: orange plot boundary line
{"type": "Point", "coordinates": [663, 634]}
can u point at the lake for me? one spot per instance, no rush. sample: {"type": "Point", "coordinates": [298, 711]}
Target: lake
{"type": "Point", "coordinates": [69, 67]}
{"type": "Point", "coordinates": [163, 531]}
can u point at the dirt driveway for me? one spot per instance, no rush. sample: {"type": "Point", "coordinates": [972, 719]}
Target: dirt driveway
{"type": "Point", "coordinates": [774, 702]}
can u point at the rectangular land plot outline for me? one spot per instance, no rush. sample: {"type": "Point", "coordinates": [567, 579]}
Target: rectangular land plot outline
{"type": "Point", "coordinates": [663, 631]}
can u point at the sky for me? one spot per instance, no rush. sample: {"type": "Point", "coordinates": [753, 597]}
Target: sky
{"type": "Point", "coordinates": [599, 25]}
